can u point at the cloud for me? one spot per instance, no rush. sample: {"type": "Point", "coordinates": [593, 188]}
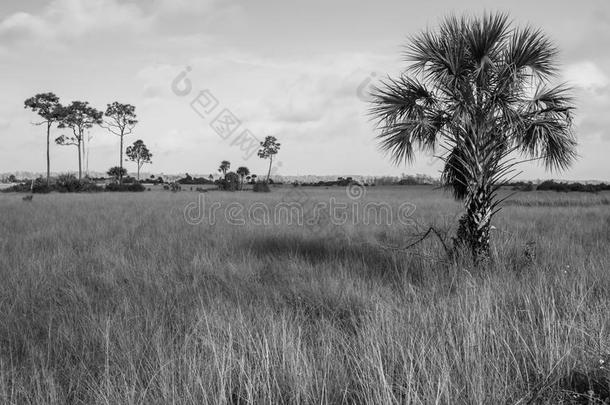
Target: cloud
{"type": "Point", "coordinates": [69, 20]}
{"type": "Point", "coordinates": [586, 75]}
{"type": "Point", "coordinates": [63, 20]}
{"type": "Point", "coordinates": [4, 123]}
{"type": "Point", "coordinates": [587, 36]}
{"type": "Point", "coordinates": [189, 8]}
{"type": "Point", "coordinates": [309, 103]}
{"type": "Point", "coordinates": [592, 120]}
{"type": "Point", "coordinates": [592, 93]}
{"type": "Point", "coordinates": [183, 18]}
{"type": "Point", "coordinates": [21, 26]}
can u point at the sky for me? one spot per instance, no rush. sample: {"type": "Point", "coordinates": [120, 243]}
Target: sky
{"type": "Point", "coordinates": [297, 70]}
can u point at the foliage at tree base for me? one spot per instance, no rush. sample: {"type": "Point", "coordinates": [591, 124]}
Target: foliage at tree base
{"type": "Point", "coordinates": [188, 179]}
{"type": "Point", "coordinates": [229, 183]}
{"type": "Point", "coordinates": [135, 187]}
{"type": "Point", "coordinates": [70, 184]}
{"type": "Point", "coordinates": [261, 187]}
{"type": "Point", "coordinates": [63, 184]}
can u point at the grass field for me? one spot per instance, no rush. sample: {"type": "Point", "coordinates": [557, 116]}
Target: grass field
{"type": "Point", "coordinates": [115, 299]}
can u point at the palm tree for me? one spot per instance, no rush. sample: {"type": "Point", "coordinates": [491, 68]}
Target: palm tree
{"type": "Point", "coordinates": [224, 167]}
{"type": "Point", "coordinates": [242, 171]}
{"type": "Point", "coordinates": [117, 172]}
{"type": "Point", "coordinates": [479, 89]}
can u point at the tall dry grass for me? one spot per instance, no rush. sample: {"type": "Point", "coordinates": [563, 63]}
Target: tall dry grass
{"type": "Point", "coordinates": [115, 299]}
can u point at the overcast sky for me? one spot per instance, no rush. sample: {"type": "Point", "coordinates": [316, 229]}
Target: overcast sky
{"type": "Point", "coordinates": [283, 68]}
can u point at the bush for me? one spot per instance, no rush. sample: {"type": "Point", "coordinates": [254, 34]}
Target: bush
{"type": "Point", "coordinates": [188, 179]}
{"type": "Point", "coordinates": [522, 186]}
{"type": "Point", "coordinates": [135, 187]}
{"type": "Point", "coordinates": [65, 183]}
{"type": "Point", "coordinates": [68, 183]}
{"type": "Point", "coordinates": [89, 187]}
{"type": "Point", "coordinates": [40, 187]}
{"type": "Point", "coordinates": [261, 187]}
{"type": "Point", "coordinates": [229, 183]}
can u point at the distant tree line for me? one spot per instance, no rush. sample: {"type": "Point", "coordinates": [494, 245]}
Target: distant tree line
{"type": "Point", "coordinates": [233, 181]}
{"type": "Point", "coordinates": [68, 183]}
{"type": "Point", "coordinates": [551, 185]}
{"type": "Point", "coordinates": [405, 180]}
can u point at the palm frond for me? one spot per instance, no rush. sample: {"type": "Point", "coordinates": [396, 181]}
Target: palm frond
{"type": "Point", "coordinates": [485, 37]}
{"type": "Point", "coordinates": [439, 55]}
{"type": "Point", "coordinates": [407, 115]}
{"type": "Point", "coordinates": [547, 127]}
{"type": "Point", "coordinates": [454, 176]}
{"type": "Point", "coordinates": [530, 48]}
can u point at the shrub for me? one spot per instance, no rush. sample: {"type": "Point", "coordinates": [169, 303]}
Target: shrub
{"type": "Point", "coordinates": [40, 187]}
{"type": "Point", "coordinates": [523, 186]}
{"type": "Point", "coordinates": [261, 187]}
{"type": "Point", "coordinates": [229, 183]}
{"type": "Point", "coordinates": [65, 183]}
{"type": "Point", "coordinates": [188, 179]}
{"type": "Point", "coordinates": [89, 187]}
{"type": "Point", "coordinates": [135, 187]}
{"type": "Point", "coordinates": [68, 183]}
{"type": "Point", "coordinates": [117, 172]}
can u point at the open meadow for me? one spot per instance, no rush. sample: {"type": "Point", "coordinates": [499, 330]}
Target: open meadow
{"type": "Point", "coordinates": [115, 298]}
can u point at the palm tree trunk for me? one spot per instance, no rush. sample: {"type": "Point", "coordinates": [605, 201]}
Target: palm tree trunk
{"type": "Point", "coordinates": [48, 154]}
{"type": "Point", "coordinates": [473, 231]}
